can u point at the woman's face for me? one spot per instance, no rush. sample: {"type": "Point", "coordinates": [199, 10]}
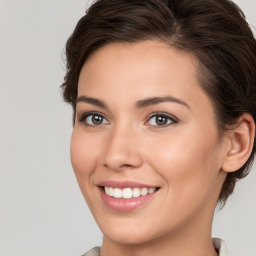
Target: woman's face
{"type": "Point", "coordinates": [145, 133]}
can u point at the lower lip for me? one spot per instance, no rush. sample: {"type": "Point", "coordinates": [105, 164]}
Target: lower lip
{"type": "Point", "coordinates": [125, 205]}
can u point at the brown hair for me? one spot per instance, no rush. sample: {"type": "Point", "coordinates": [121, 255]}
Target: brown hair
{"type": "Point", "coordinates": [214, 31]}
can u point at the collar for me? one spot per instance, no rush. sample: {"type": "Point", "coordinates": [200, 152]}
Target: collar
{"type": "Point", "coordinates": [220, 246]}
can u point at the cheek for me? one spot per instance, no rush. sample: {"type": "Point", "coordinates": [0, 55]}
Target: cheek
{"type": "Point", "coordinates": [188, 163]}
{"type": "Point", "coordinates": [83, 156]}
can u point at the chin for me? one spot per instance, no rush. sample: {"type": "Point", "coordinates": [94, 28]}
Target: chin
{"type": "Point", "coordinates": [126, 233]}
{"type": "Point", "coordinates": [128, 238]}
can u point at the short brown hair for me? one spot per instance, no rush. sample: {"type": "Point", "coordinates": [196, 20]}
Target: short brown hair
{"type": "Point", "coordinates": [214, 31]}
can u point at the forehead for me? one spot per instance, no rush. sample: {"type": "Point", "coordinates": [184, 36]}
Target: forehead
{"type": "Point", "coordinates": [139, 70]}
{"type": "Point", "coordinates": [148, 60]}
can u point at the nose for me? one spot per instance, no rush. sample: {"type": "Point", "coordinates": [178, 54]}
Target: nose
{"type": "Point", "coordinates": [122, 150]}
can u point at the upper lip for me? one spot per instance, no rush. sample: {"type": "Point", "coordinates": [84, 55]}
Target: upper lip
{"type": "Point", "coordinates": [124, 184]}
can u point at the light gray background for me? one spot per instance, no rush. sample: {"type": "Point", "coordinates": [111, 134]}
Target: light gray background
{"type": "Point", "coordinates": [41, 209]}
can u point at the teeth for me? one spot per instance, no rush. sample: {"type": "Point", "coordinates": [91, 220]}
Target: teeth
{"type": "Point", "coordinates": [151, 190]}
{"type": "Point", "coordinates": [118, 193]}
{"type": "Point", "coordinates": [111, 192]}
{"type": "Point", "coordinates": [136, 192]}
{"type": "Point", "coordinates": [106, 190]}
{"type": "Point", "coordinates": [128, 193]}
{"type": "Point", "coordinates": [144, 191]}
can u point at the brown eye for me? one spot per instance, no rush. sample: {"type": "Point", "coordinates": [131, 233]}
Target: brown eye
{"type": "Point", "coordinates": [94, 119]}
{"type": "Point", "coordinates": [160, 120]}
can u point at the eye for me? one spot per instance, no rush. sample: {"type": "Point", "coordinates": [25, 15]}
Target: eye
{"type": "Point", "coordinates": [161, 119]}
{"type": "Point", "coordinates": [93, 119]}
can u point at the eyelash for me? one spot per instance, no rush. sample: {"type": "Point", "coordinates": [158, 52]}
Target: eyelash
{"type": "Point", "coordinates": [170, 119]}
{"type": "Point", "coordinates": [85, 115]}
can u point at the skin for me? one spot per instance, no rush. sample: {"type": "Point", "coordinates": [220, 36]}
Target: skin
{"type": "Point", "coordinates": [184, 158]}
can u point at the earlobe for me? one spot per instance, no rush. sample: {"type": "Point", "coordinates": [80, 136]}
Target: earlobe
{"type": "Point", "coordinates": [241, 141]}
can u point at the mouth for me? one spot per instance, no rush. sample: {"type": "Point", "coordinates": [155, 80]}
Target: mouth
{"type": "Point", "coordinates": [126, 196]}
{"type": "Point", "coordinates": [128, 193]}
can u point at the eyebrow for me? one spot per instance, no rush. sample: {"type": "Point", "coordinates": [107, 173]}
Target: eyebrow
{"type": "Point", "coordinates": [156, 100]}
{"type": "Point", "coordinates": [139, 104]}
{"type": "Point", "coordinates": [92, 101]}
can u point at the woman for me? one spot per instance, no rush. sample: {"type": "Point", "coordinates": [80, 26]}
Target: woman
{"type": "Point", "coordinates": [164, 100]}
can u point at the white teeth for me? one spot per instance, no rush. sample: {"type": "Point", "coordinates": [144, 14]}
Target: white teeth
{"type": "Point", "coordinates": [151, 190]}
{"type": "Point", "coordinates": [106, 190]}
{"type": "Point", "coordinates": [110, 192]}
{"type": "Point", "coordinates": [118, 193]}
{"type": "Point", "coordinates": [144, 191]}
{"type": "Point", "coordinates": [128, 193]}
{"type": "Point", "coordinates": [136, 192]}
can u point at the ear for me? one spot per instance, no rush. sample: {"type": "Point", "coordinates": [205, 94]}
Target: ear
{"type": "Point", "coordinates": [241, 140]}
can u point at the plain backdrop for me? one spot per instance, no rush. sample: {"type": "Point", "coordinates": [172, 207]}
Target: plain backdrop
{"type": "Point", "coordinates": [41, 209]}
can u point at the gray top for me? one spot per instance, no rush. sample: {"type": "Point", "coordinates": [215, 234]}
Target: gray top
{"type": "Point", "coordinates": [93, 252]}
{"type": "Point", "coordinates": [218, 243]}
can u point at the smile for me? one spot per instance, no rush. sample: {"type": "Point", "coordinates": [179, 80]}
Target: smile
{"type": "Point", "coordinates": [127, 193]}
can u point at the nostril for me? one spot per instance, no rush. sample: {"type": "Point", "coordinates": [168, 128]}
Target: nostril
{"type": "Point", "coordinates": [126, 165]}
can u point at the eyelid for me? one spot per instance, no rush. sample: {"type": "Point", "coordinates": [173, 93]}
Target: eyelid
{"type": "Point", "coordinates": [164, 114]}
{"type": "Point", "coordinates": [82, 117]}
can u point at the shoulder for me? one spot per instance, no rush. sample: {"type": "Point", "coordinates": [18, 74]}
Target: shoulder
{"type": "Point", "coordinates": [93, 252]}
{"type": "Point", "coordinates": [220, 246]}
